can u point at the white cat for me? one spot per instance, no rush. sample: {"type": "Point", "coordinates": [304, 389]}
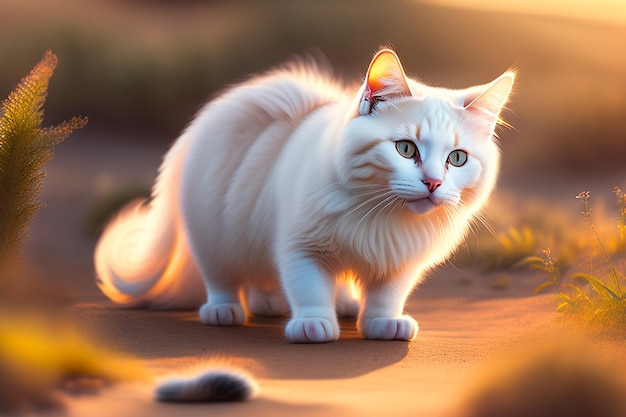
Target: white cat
{"type": "Point", "coordinates": [289, 187]}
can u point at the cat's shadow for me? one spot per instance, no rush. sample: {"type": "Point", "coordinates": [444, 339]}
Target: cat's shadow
{"type": "Point", "coordinates": [261, 341]}
{"type": "Point", "coordinates": [350, 356]}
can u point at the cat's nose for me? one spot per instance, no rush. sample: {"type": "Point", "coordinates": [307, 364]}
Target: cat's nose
{"type": "Point", "coordinates": [432, 184]}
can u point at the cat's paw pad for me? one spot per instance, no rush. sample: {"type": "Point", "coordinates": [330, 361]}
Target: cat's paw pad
{"type": "Point", "coordinates": [226, 314]}
{"type": "Point", "coordinates": [262, 304]}
{"type": "Point", "coordinates": [348, 308]}
{"type": "Point", "coordinates": [312, 330]}
{"type": "Point", "coordinates": [385, 328]}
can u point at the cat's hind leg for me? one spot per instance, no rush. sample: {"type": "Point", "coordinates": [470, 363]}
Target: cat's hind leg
{"type": "Point", "coordinates": [382, 316]}
{"type": "Point", "coordinates": [347, 303]}
{"type": "Point", "coordinates": [311, 296]}
{"type": "Point", "coordinates": [223, 307]}
{"type": "Point", "coordinates": [266, 303]}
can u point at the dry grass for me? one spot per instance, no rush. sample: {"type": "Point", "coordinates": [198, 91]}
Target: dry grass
{"type": "Point", "coordinates": [25, 147]}
{"type": "Point", "coordinates": [598, 297]}
{"type": "Point", "coordinates": [517, 228]}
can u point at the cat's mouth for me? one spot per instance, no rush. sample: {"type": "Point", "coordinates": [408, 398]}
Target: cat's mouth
{"type": "Point", "coordinates": [422, 205]}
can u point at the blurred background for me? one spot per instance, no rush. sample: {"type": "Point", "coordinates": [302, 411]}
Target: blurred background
{"type": "Point", "coordinates": [148, 65]}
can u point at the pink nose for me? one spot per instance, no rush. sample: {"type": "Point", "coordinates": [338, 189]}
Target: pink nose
{"type": "Point", "coordinates": [432, 184]}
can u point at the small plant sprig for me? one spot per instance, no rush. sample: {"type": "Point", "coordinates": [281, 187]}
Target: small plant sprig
{"type": "Point", "coordinates": [546, 263]}
{"type": "Point", "coordinates": [25, 147]}
{"type": "Point", "coordinates": [606, 303]}
{"type": "Point", "coordinates": [620, 202]}
{"type": "Point", "coordinates": [584, 196]}
{"type": "Point", "coordinates": [614, 276]}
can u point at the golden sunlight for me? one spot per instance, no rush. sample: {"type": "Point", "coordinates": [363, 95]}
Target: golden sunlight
{"type": "Point", "coordinates": [609, 11]}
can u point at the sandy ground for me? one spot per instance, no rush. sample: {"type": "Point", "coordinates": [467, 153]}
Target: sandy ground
{"type": "Point", "coordinates": [465, 323]}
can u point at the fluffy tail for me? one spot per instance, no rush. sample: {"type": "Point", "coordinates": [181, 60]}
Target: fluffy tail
{"type": "Point", "coordinates": [211, 386]}
{"type": "Point", "coordinates": [142, 259]}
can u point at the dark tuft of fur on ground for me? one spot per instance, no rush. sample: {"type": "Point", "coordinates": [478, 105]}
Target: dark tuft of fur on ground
{"type": "Point", "coordinates": [211, 386]}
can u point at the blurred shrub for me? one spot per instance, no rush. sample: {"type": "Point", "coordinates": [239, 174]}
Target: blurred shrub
{"type": "Point", "coordinates": [41, 355]}
{"type": "Point", "coordinates": [565, 378]}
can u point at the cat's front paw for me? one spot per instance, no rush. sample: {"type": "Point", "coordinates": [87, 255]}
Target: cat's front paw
{"type": "Point", "coordinates": [386, 328]}
{"type": "Point", "coordinates": [312, 330]}
{"type": "Point", "coordinates": [225, 314]}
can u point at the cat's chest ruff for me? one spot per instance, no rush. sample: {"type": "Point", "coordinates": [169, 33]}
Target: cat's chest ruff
{"type": "Point", "coordinates": [374, 250]}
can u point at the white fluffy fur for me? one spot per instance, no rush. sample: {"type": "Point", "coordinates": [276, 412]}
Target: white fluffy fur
{"type": "Point", "coordinates": [280, 184]}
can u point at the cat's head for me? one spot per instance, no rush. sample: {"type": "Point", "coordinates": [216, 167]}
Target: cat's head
{"type": "Point", "coordinates": [417, 147]}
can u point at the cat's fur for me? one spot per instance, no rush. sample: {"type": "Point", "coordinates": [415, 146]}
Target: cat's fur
{"type": "Point", "coordinates": [216, 385]}
{"type": "Point", "coordinates": [291, 184]}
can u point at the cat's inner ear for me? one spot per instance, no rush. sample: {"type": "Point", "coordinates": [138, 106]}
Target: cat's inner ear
{"type": "Point", "coordinates": [487, 101]}
{"type": "Point", "coordinates": [385, 79]}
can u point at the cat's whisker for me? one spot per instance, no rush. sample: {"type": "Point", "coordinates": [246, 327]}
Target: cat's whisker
{"type": "Point", "coordinates": [378, 195]}
{"type": "Point", "coordinates": [390, 206]}
{"type": "Point", "coordinates": [384, 202]}
{"type": "Point", "coordinates": [375, 195]}
{"type": "Point", "coordinates": [480, 219]}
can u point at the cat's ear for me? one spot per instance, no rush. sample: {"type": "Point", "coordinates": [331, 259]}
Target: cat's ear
{"type": "Point", "coordinates": [385, 79]}
{"type": "Point", "coordinates": [488, 100]}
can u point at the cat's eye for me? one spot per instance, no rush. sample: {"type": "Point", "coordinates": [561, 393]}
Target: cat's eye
{"type": "Point", "coordinates": [406, 148]}
{"type": "Point", "coordinates": [457, 158]}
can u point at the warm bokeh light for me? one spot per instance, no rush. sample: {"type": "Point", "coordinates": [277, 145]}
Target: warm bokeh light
{"type": "Point", "coordinates": [613, 11]}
